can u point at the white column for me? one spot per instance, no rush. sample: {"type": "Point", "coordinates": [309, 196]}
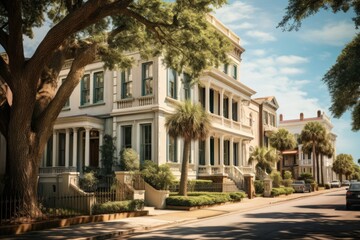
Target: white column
{"type": "Point", "coordinates": [207, 97]}
{"type": "Point", "coordinates": [67, 147]}
{"type": "Point", "coordinates": [101, 138]}
{"type": "Point", "coordinates": [221, 153]}
{"type": "Point", "coordinates": [75, 140]}
{"type": "Point", "coordinates": [230, 107]}
{"type": "Point", "coordinates": [87, 146]}
{"type": "Point", "coordinates": [231, 157]}
{"type": "Point", "coordinates": [54, 148]}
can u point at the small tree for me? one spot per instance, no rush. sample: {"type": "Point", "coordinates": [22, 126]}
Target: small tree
{"type": "Point", "coordinates": [276, 177]}
{"type": "Point", "coordinates": [159, 177]}
{"type": "Point", "coordinates": [129, 160]}
{"type": "Point", "coordinates": [108, 150]}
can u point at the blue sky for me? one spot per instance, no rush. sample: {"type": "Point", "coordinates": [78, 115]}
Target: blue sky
{"type": "Point", "coordinates": [290, 65]}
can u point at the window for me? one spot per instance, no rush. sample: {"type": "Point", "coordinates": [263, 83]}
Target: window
{"type": "Point", "coordinates": [236, 154]}
{"type": "Point", "coordinates": [85, 89]}
{"type": "Point", "coordinates": [147, 78]}
{"type": "Point", "coordinates": [272, 120]}
{"type": "Point", "coordinates": [266, 117]}
{"type": "Point", "coordinates": [98, 87]}
{"type": "Point", "coordinates": [126, 136]}
{"type": "Point", "coordinates": [226, 66]}
{"type": "Point", "coordinates": [126, 83]}
{"type": "Point", "coordinates": [172, 149]}
{"type": "Point", "coordinates": [234, 71]}
{"type": "Point", "coordinates": [187, 86]}
{"type": "Point", "coordinates": [201, 152]}
{"type": "Point", "coordinates": [226, 108]}
{"type": "Point", "coordinates": [212, 151]}
{"type": "Point", "coordinates": [171, 83]}
{"type": "Point", "coordinates": [235, 111]}
{"type": "Point", "coordinates": [211, 100]}
{"type": "Point", "coordinates": [67, 104]}
{"type": "Point", "coordinates": [226, 152]}
{"type": "Point", "coordinates": [61, 153]}
{"type": "Point", "coordinates": [145, 151]}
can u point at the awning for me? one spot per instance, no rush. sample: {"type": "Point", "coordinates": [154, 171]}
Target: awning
{"type": "Point", "coordinates": [290, 152]}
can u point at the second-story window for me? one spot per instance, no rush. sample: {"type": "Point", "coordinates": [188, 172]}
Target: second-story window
{"type": "Point", "coordinates": [171, 83]}
{"type": "Point", "coordinates": [98, 87]}
{"type": "Point", "coordinates": [234, 71]}
{"type": "Point", "coordinates": [172, 149]}
{"type": "Point", "coordinates": [226, 108]}
{"type": "Point", "coordinates": [187, 86]}
{"type": "Point", "coordinates": [147, 78]}
{"type": "Point", "coordinates": [85, 89]}
{"type": "Point", "coordinates": [126, 83]}
{"type": "Point", "coordinates": [226, 68]}
{"type": "Point", "coordinates": [234, 111]}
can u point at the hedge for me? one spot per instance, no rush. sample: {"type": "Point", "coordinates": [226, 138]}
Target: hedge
{"type": "Point", "coordinates": [118, 206]}
{"type": "Point", "coordinates": [282, 191]}
{"type": "Point", "coordinates": [203, 198]}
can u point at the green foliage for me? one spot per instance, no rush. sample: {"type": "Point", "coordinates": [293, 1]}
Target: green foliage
{"type": "Point", "coordinates": [281, 191]}
{"type": "Point", "coordinates": [194, 185]}
{"type": "Point", "coordinates": [203, 199]}
{"type": "Point", "coordinates": [88, 182]}
{"type": "Point", "coordinates": [159, 177]}
{"type": "Point", "coordinates": [108, 157]}
{"type": "Point", "coordinates": [287, 175]}
{"type": "Point", "coordinates": [343, 77]}
{"type": "Point", "coordinates": [276, 177]}
{"type": "Point", "coordinates": [287, 182]}
{"type": "Point", "coordinates": [306, 176]}
{"type": "Point", "coordinates": [129, 160]}
{"type": "Point", "coordinates": [259, 186]}
{"type": "Point", "coordinates": [343, 165]}
{"type": "Point", "coordinates": [118, 206]}
{"type": "Point", "coordinates": [327, 185]}
{"type": "Point", "coordinates": [282, 140]}
{"type": "Point", "coordinates": [264, 157]}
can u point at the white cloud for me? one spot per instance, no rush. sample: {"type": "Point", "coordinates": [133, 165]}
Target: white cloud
{"type": "Point", "coordinates": [235, 12]}
{"type": "Point", "coordinates": [243, 25]}
{"type": "Point", "coordinates": [291, 71]}
{"type": "Point", "coordinates": [261, 36]}
{"type": "Point", "coordinates": [259, 52]}
{"type": "Point", "coordinates": [334, 34]}
{"type": "Point", "coordinates": [291, 59]}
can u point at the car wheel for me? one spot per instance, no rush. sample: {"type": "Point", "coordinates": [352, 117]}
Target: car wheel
{"type": "Point", "coordinates": [348, 206]}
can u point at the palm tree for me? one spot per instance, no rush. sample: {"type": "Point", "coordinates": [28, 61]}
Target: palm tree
{"type": "Point", "coordinates": [264, 158]}
{"type": "Point", "coordinates": [282, 140]}
{"type": "Point", "coordinates": [312, 134]}
{"type": "Point", "coordinates": [190, 122]}
{"type": "Point", "coordinates": [343, 165]}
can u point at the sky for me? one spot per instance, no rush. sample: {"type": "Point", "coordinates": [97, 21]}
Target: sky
{"type": "Point", "coordinates": [287, 65]}
{"type": "Point", "coordinates": [291, 65]}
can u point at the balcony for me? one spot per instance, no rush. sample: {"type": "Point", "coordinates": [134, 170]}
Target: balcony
{"type": "Point", "coordinates": [135, 102]}
{"type": "Point", "coordinates": [306, 162]}
{"type": "Point", "coordinates": [56, 170]}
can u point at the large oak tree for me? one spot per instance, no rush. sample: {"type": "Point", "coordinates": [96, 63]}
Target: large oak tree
{"type": "Point", "coordinates": [83, 31]}
{"type": "Point", "coordinates": [343, 78]}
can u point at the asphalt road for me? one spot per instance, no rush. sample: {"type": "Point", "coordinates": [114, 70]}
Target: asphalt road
{"type": "Point", "coordinates": [317, 217]}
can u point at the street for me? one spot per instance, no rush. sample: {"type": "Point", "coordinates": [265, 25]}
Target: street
{"type": "Point", "coordinates": [316, 217]}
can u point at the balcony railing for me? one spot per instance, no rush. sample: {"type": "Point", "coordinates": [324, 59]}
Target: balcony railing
{"type": "Point", "coordinates": [56, 170]}
{"type": "Point", "coordinates": [135, 102]}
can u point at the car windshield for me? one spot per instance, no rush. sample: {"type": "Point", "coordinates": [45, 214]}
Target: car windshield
{"type": "Point", "coordinates": [355, 187]}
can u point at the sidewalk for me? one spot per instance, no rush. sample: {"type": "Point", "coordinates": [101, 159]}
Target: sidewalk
{"type": "Point", "coordinates": [155, 219]}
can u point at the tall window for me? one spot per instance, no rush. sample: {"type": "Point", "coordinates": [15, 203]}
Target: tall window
{"type": "Point", "coordinates": [126, 83]}
{"type": "Point", "coordinates": [235, 111]}
{"type": "Point", "coordinates": [172, 149]}
{"type": "Point", "coordinates": [201, 152]}
{"type": "Point", "coordinates": [266, 117]}
{"type": "Point", "coordinates": [85, 89]}
{"type": "Point", "coordinates": [61, 153]}
{"type": "Point", "coordinates": [126, 136]}
{"type": "Point", "coordinates": [226, 67]}
{"type": "Point", "coordinates": [234, 71]}
{"type": "Point", "coordinates": [145, 151]}
{"type": "Point", "coordinates": [226, 108]}
{"type": "Point", "coordinates": [67, 104]}
{"type": "Point", "coordinates": [202, 96]}
{"type": "Point", "coordinates": [211, 100]}
{"type": "Point", "coordinates": [212, 151]}
{"type": "Point", "coordinates": [187, 86]}
{"type": "Point", "coordinates": [147, 78]}
{"type": "Point", "coordinates": [236, 154]}
{"type": "Point", "coordinates": [171, 83]}
{"type": "Point", "coordinates": [227, 152]}
{"type": "Point", "coordinates": [98, 87]}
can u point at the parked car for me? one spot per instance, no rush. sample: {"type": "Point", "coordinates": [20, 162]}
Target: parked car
{"type": "Point", "coordinates": [335, 183]}
{"type": "Point", "coordinates": [353, 181]}
{"type": "Point", "coordinates": [353, 195]}
{"type": "Point", "coordinates": [301, 186]}
{"type": "Point", "coordinates": [345, 183]}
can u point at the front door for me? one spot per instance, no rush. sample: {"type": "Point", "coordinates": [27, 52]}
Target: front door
{"type": "Point", "coordinates": [94, 152]}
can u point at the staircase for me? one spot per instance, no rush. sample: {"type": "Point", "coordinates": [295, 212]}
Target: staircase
{"type": "Point", "coordinates": [229, 186]}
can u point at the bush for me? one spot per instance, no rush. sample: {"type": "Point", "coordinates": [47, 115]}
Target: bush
{"type": "Point", "coordinates": [88, 182]}
{"type": "Point", "coordinates": [194, 185]}
{"type": "Point", "coordinates": [307, 177]}
{"type": "Point", "coordinates": [287, 182]}
{"type": "Point", "coordinates": [276, 177]}
{"type": "Point", "coordinates": [159, 177]}
{"type": "Point", "coordinates": [327, 186]}
{"type": "Point", "coordinates": [259, 186]}
{"type": "Point", "coordinates": [287, 175]}
{"type": "Point", "coordinates": [203, 198]}
{"type": "Point", "coordinates": [118, 206]}
{"type": "Point", "coordinates": [281, 191]}
{"type": "Point", "coordinates": [314, 186]}
{"type": "Point", "coordinates": [129, 160]}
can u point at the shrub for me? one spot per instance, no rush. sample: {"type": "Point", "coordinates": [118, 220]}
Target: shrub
{"type": "Point", "coordinates": [307, 177]}
{"type": "Point", "coordinates": [287, 175]}
{"type": "Point", "coordinates": [159, 177]}
{"type": "Point", "coordinates": [194, 185]}
{"type": "Point", "coordinates": [327, 186]}
{"type": "Point", "coordinates": [314, 186]}
{"type": "Point", "coordinates": [88, 182]}
{"type": "Point", "coordinates": [129, 160]}
{"type": "Point", "coordinates": [108, 153]}
{"type": "Point", "coordinates": [203, 198]}
{"type": "Point", "coordinates": [118, 206]}
{"type": "Point", "coordinates": [276, 177]}
{"type": "Point", "coordinates": [259, 186]}
{"type": "Point", "coordinates": [281, 191]}
{"type": "Point", "coordinates": [287, 182]}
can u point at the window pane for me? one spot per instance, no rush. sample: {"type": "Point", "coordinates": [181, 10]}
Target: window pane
{"type": "Point", "coordinates": [85, 89]}
{"type": "Point", "coordinates": [98, 87]}
{"type": "Point", "coordinates": [172, 149]}
{"type": "Point", "coordinates": [145, 142]}
{"type": "Point", "coordinates": [126, 133]}
{"type": "Point", "coordinates": [171, 81]}
{"type": "Point", "coordinates": [147, 78]}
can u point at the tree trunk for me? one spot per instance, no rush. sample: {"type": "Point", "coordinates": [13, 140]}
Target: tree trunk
{"type": "Point", "coordinates": [313, 161]}
{"type": "Point", "coordinates": [184, 168]}
{"type": "Point", "coordinates": [317, 169]}
{"type": "Point", "coordinates": [281, 165]}
{"type": "Point", "coordinates": [322, 169]}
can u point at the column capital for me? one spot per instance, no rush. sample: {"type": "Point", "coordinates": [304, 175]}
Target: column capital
{"type": "Point", "coordinates": [75, 129]}
{"type": "Point", "coordinates": [87, 128]}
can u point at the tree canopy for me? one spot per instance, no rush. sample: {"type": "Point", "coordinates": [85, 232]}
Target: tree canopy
{"type": "Point", "coordinates": [343, 165]}
{"type": "Point", "coordinates": [343, 78]}
{"type": "Point", "coordinates": [83, 31]}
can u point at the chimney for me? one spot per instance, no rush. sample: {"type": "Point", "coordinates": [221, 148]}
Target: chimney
{"type": "Point", "coordinates": [318, 113]}
{"type": "Point", "coordinates": [281, 117]}
{"type": "Point", "coordinates": [301, 116]}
